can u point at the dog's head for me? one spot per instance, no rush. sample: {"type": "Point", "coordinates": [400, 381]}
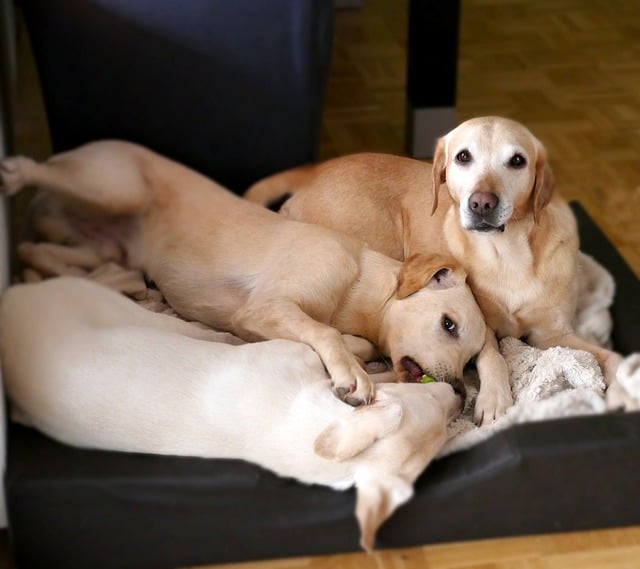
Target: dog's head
{"type": "Point", "coordinates": [433, 326]}
{"type": "Point", "coordinates": [390, 442]}
{"type": "Point", "coordinates": [496, 172]}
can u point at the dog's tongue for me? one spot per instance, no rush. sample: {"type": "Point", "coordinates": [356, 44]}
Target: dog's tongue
{"type": "Point", "coordinates": [412, 368]}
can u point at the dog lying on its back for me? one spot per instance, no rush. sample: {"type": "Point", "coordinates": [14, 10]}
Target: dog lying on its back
{"type": "Point", "coordinates": [98, 371]}
{"type": "Point", "coordinates": [237, 267]}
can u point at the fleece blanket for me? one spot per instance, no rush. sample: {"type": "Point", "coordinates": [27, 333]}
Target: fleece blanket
{"type": "Point", "coordinates": [546, 384]}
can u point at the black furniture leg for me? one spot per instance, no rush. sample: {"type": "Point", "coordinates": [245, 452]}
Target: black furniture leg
{"type": "Point", "coordinates": [431, 73]}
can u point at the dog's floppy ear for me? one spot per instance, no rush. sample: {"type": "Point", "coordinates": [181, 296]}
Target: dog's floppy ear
{"type": "Point", "coordinates": [439, 172]}
{"type": "Point", "coordinates": [433, 271]}
{"type": "Point", "coordinates": [348, 437]}
{"type": "Point", "coordinates": [544, 182]}
{"type": "Point", "coordinates": [377, 498]}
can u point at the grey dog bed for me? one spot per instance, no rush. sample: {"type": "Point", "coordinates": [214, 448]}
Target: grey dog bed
{"type": "Point", "coordinates": [77, 508]}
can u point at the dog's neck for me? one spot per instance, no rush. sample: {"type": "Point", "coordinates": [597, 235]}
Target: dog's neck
{"type": "Point", "coordinates": [491, 249]}
{"type": "Point", "coordinates": [524, 256]}
{"type": "Point", "coordinates": [364, 307]}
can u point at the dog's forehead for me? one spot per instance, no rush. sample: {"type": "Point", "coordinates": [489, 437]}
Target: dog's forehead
{"type": "Point", "coordinates": [499, 138]}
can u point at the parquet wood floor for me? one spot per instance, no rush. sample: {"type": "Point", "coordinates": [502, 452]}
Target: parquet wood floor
{"type": "Point", "coordinates": [606, 549]}
{"type": "Point", "coordinates": [569, 70]}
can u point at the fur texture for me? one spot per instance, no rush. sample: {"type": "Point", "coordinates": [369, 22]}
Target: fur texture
{"type": "Point", "coordinates": [98, 371]}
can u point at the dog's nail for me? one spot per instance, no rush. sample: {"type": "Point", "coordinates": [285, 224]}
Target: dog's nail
{"type": "Point", "coordinates": [354, 401]}
{"type": "Point", "coordinates": [342, 392]}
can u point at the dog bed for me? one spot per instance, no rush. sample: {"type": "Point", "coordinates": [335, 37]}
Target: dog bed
{"type": "Point", "coordinates": [77, 508]}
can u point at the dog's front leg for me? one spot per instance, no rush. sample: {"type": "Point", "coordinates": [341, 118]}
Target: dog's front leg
{"type": "Point", "coordinates": [285, 319]}
{"type": "Point", "coordinates": [494, 397]}
{"type": "Point", "coordinates": [362, 348]}
{"type": "Point", "coordinates": [371, 359]}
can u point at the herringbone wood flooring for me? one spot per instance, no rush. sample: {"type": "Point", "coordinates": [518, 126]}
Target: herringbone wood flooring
{"type": "Point", "coordinates": [568, 69]}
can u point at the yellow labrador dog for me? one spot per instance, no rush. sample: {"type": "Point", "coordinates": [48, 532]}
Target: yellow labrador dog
{"type": "Point", "coordinates": [488, 200]}
{"type": "Point", "coordinates": [147, 382]}
{"type": "Point", "coordinates": [237, 267]}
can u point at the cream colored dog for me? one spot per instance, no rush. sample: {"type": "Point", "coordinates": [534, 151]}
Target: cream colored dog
{"type": "Point", "coordinates": [90, 368]}
{"type": "Point", "coordinates": [497, 215]}
{"type": "Point", "coordinates": [237, 267]}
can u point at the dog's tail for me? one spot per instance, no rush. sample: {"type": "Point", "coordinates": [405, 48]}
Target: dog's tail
{"type": "Point", "coordinates": [272, 192]}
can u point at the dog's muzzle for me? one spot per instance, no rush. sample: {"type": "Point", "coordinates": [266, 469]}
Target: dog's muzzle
{"type": "Point", "coordinates": [484, 212]}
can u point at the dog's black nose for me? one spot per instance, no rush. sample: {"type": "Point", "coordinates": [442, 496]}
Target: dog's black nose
{"type": "Point", "coordinates": [483, 202]}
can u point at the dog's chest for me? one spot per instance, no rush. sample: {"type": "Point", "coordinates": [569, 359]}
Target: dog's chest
{"type": "Point", "coordinates": [506, 286]}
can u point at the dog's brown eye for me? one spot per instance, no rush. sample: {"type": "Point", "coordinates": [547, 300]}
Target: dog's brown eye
{"type": "Point", "coordinates": [517, 161]}
{"type": "Point", "coordinates": [463, 157]}
{"type": "Point", "coordinates": [449, 326]}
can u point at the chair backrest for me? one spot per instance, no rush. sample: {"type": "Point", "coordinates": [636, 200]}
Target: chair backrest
{"type": "Point", "coordinates": [232, 88]}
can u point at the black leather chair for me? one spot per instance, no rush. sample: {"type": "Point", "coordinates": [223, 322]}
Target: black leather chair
{"type": "Point", "coordinates": [232, 88]}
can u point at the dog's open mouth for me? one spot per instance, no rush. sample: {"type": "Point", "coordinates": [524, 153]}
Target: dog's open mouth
{"type": "Point", "coordinates": [413, 371]}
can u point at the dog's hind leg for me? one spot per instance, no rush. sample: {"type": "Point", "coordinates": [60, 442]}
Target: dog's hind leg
{"type": "Point", "coordinates": [107, 175]}
{"type": "Point", "coordinates": [285, 319]}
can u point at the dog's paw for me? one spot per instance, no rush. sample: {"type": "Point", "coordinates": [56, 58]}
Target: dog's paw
{"type": "Point", "coordinates": [491, 404]}
{"type": "Point", "coordinates": [12, 178]}
{"type": "Point", "coordinates": [355, 388]}
{"type": "Point", "coordinates": [618, 399]}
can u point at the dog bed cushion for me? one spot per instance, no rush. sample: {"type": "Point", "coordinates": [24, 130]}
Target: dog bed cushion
{"type": "Point", "coordinates": [78, 508]}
